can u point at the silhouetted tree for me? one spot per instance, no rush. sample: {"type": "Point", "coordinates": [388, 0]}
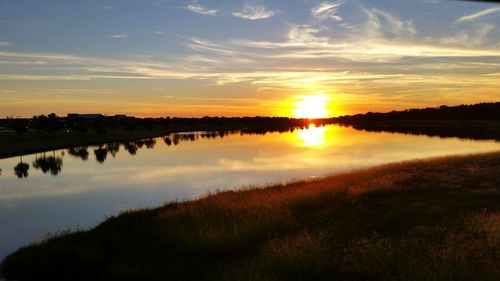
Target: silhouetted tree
{"type": "Point", "coordinates": [130, 124]}
{"type": "Point", "coordinates": [48, 123]}
{"type": "Point", "coordinates": [79, 125]}
{"type": "Point", "coordinates": [20, 125]}
{"type": "Point", "coordinates": [148, 123]}
{"type": "Point", "coordinates": [481, 111]}
{"type": "Point", "coordinates": [100, 125]}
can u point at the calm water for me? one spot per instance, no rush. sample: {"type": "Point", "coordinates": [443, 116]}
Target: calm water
{"type": "Point", "coordinates": [79, 188]}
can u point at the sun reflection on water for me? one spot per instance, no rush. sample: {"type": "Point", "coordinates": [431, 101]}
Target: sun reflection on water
{"type": "Point", "coordinates": [312, 136]}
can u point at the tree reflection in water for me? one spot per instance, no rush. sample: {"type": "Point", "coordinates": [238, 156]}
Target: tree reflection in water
{"type": "Point", "coordinates": [100, 154]}
{"type": "Point", "coordinates": [167, 140]}
{"type": "Point", "coordinates": [113, 148]}
{"type": "Point", "coordinates": [150, 143]}
{"type": "Point", "coordinates": [131, 147]}
{"type": "Point", "coordinates": [50, 164]}
{"type": "Point", "coordinates": [21, 169]}
{"type": "Point", "coordinates": [54, 164]}
{"type": "Point", "coordinates": [80, 152]}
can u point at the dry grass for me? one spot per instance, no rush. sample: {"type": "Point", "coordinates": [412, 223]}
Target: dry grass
{"type": "Point", "coordinates": [419, 220]}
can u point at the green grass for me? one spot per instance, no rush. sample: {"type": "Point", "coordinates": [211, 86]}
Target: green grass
{"type": "Point", "coordinates": [436, 219]}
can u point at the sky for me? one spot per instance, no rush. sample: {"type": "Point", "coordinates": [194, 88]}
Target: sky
{"type": "Point", "coordinates": [245, 58]}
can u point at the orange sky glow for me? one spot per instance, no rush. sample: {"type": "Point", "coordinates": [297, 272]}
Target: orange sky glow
{"type": "Point", "coordinates": [302, 59]}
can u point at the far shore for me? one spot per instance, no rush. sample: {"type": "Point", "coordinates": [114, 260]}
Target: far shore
{"type": "Point", "coordinates": [434, 219]}
{"type": "Point", "coordinates": [14, 144]}
{"type": "Point", "coordinates": [44, 133]}
{"type": "Point", "coordinates": [34, 141]}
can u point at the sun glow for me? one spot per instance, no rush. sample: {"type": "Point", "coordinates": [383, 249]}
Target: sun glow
{"type": "Point", "coordinates": [312, 136]}
{"type": "Point", "coordinates": [312, 106]}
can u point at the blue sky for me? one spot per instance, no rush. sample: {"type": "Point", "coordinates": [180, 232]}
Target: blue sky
{"type": "Point", "coordinates": [195, 58]}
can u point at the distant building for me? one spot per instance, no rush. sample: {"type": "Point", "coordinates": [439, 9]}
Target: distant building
{"type": "Point", "coordinates": [120, 116]}
{"type": "Point", "coordinates": [91, 116]}
{"type": "Point", "coordinates": [85, 116]}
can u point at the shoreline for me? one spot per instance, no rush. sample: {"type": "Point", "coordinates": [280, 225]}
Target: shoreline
{"type": "Point", "coordinates": [412, 201]}
{"type": "Point", "coordinates": [13, 144]}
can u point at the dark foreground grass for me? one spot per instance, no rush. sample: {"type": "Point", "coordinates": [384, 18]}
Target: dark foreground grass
{"type": "Point", "coordinates": [437, 219]}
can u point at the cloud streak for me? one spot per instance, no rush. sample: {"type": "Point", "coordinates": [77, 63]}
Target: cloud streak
{"type": "Point", "coordinates": [121, 35]}
{"type": "Point", "coordinates": [477, 15]}
{"type": "Point", "coordinates": [251, 12]}
{"type": "Point", "coordinates": [381, 23]}
{"type": "Point", "coordinates": [199, 9]}
{"type": "Point", "coordinates": [327, 10]}
{"type": "Point", "coordinates": [382, 56]}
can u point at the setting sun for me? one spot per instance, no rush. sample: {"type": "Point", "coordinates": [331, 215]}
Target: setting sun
{"type": "Point", "coordinates": [314, 106]}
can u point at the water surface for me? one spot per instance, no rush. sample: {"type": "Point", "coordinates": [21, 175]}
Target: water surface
{"type": "Point", "coordinates": [78, 188]}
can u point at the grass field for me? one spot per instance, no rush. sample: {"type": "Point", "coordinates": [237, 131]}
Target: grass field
{"type": "Point", "coordinates": [436, 219]}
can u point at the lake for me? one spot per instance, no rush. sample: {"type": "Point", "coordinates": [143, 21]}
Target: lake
{"type": "Point", "coordinates": [77, 188]}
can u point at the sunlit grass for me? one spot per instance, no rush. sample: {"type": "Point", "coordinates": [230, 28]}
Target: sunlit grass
{"type": "Point", "coordinates": [422, 220]}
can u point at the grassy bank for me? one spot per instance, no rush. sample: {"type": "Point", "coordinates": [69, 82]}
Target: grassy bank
{"type": "Point", "coordinates": [437, 219]}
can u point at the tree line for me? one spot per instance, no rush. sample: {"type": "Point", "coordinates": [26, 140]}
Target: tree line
{"type": "Point", "coordinates": [481, 111]}
{"type": "Point", "coordinates": [51, 123]}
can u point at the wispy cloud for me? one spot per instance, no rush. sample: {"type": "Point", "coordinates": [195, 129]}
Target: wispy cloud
{"type": "Point", "coordinates": [480, 14]}
{"type": "Point", "coordinates": [327, 10]}
{"type": "Point", "coordinates": [305, 34]}
{"type": "Point", "coordinates": [251, 12]}
{"type": "Point", "coordinates": [199, 9]}
{"type": "Point", "coordinates": [381, 54]}
{"type": "Point", "coordinates": [120, 35]}
{"type": "Point", "coordinates": [430, 1]}
{"type": "Point", "coordinates": [478, 35]}
{"type": "Point", "coordinates": [350, 51]}
{"type": "Point", "coordinates": [387, 67]}
{"type": "Point", "coordinates": [27, 62]}
{"type": "Point", "coordinates": [379, 22]}
{"type": "Point", "coordinates": [4, 44]}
